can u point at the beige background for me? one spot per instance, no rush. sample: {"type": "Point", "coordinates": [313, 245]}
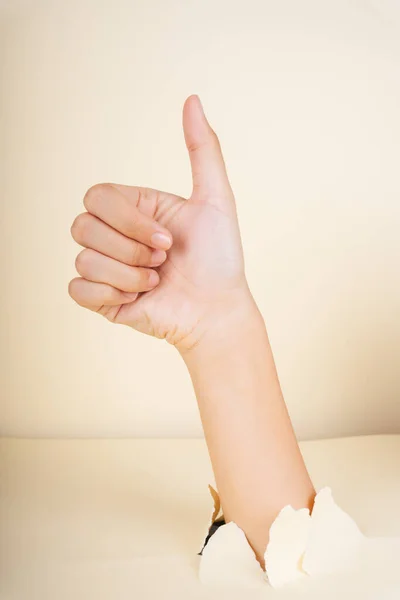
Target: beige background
{"type": "Point", "coordinates": [305, 97]}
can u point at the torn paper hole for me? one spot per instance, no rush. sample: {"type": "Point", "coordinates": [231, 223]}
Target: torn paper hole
{"type": "Point", "coordinates": [302, 547]}
{"type": "Point", "coordinates": [216, 520]}
{"type": "Point", "coordinates": [217, 503]}
{"type": "Point", "coordinates": [227, 558]}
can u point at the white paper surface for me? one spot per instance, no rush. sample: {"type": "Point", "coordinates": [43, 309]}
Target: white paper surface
{"type": "Point", "coordinates": [307, 554]}
{"type": "Point", "coordinates": [228, 560]}
{"type": "Point", "coordinates": [287, 543]}
{"type": "Point", "coordinates": [334, 540]}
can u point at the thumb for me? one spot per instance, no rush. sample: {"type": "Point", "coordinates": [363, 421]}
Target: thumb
{"type": "Point", "coordinates": [210, 180]}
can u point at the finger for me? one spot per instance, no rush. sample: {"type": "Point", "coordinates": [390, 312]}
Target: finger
{"type": "Point", "coordinates": [96, 267]}
{"type": "Point", "coordinates": [210, 179]}
{"type": "Point", "coordinates": [91, 232]}
{"type": "Point", "coordinates": [95, 295]}
{"type": "Point", "coordinates": [107, 203]}
{"type": "Point", "coordinates": [150, 202]}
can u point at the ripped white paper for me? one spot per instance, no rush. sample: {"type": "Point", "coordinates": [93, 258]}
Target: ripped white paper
{"type": "Point", "coordinates": [228, 560]}
{"type": "Point", "coordinates": [304, 548]}
{"type": "Point", "coordinates": [334, 540]}
{"type": "Point", "coordinates": [288, 537]}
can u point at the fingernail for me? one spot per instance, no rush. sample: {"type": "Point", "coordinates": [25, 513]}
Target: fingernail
{"type": "Point", "coordinates": [153, 278]}
{"type": "Point", "coordinates": [158, 257]}
{"type": "Point", "coordinates": [200, 106]}
{"type": "Point", "coordinates": [161, 240]}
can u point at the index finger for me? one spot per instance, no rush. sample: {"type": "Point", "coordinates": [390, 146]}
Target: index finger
{"type": "Point", "coordinates": [107, 203]}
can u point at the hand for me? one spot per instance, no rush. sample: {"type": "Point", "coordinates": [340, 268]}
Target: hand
{"type": "Point", "coordinates": [164, 265]}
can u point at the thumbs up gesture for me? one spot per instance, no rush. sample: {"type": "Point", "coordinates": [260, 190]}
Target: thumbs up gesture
{"type": "Point", "coordinates": [167, 266]}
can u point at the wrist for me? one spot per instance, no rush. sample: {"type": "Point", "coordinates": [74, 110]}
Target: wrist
{"type": "Point", "coordinates": [220, 324]}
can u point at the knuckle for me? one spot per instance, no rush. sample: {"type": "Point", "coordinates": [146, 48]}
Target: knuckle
{"type": "Point", "coordinates": [95, 193]}
{"type": "Point", "coordinates": [72, 288]}
{"type": "Point", "coordinates": [195, 146]}
{"type": "Point", "coordinates": [139, 278]}
{"type": "Point", "coordinates": [135, 219]}
{"type": "Point", "coordinates": [214, 139]}
{"type": "Point", "coordinates": [210, 139]}
{"type": "Point", "coordinates": [75, 290]}
{"type": "Point", "coordinates": [111, 295]}
{"type": "Point", "coordinates": [83, 262]}
{"type": "Point", "coordinates": [151, 278]}
{"type": "Point", "coordinates": [136, 257]}
{"type": "Point", "coordinates": [80, 227]}
{"type": "Point", "coordinates": [135, 254]}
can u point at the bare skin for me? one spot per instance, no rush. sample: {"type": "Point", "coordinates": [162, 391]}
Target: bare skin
{"type": "Point", "coordinates": [188, 286]}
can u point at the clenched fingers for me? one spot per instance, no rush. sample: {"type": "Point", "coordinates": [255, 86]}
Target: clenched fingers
{"type": "Point", "coordinates": [96, 295]}
{"type": "Point", "coordinates": [114, 208]}
{"type": "Point", "coordinates": [91, 232]}
{"type": "Point", "coordinates": [96, 267]}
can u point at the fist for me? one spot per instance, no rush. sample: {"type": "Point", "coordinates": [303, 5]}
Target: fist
{"type": "Point", "coordinates": [164, 265]}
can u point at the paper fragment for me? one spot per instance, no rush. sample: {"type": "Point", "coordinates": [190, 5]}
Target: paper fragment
{"type": "Point", "coordinates": [217, 503]}
{"type": "Point", "coordinates": [334, 539]}
{"type": "Point", "coordinates": [228, 560]}
{"type": "Point", "coordinates": [288, 537]}
{"type": "Point", "coordinates": [216, 519]}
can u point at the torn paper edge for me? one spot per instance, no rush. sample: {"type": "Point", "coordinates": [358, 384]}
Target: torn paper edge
{"type": "Point", "coordinates": [319, 547]}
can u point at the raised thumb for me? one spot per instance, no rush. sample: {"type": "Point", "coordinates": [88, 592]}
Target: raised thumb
{"type": "Point", "coordinates": [210, 180]}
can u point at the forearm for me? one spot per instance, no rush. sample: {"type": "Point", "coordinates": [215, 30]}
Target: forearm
{"type": "Point", "coordinates": [255, 456]}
